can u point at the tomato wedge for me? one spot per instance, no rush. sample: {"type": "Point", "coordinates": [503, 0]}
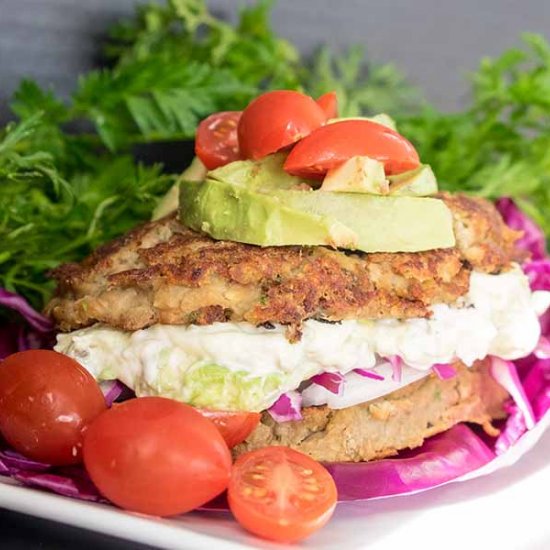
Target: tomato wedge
{"type": "Point", "coordinates": [281, 494]}
{"type": "Point", "coordinates": [46, 401]}
{"type": "Point", "coordinates": [235, 427]}
{"type": "Point", "coordinates": [329, 103]}
{"type": "Point", "coordinates": [331, 145]}
{"type": "Point", "coordinates": [216, 143]}
{"type": "Point", "coordinates": [275, 120]}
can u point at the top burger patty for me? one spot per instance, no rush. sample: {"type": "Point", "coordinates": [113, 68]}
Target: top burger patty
{"type": "Point", "coordinates": [162, 272]}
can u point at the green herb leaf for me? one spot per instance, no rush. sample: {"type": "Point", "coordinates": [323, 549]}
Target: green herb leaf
{"type": "Point", "coordinates": [47, 218]}
{"type": "Point", "coordinates": [500, 145]}
{"type": "Point", "coordinates": [155, 99]}
{"type": "Point", "coordinates": [362, 89]}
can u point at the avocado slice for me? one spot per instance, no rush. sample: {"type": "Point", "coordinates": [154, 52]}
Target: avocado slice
{"type": "Point", "coordinates": [357, 175]}
{"type": "Point", "coordinates": [419, 182]}
{"type": "Point", "coordinates": [196, 171]}
{"type": "Point", "coordinates": [384, 223]}
{"type": "Point", "coordinates": [382, 118]}
{"type": "Point", "coordinates": [369, 223]}
{"type": "Point", "coordinates": [233, 212]}
{"type": "Point", "coordinates": [264, 174]}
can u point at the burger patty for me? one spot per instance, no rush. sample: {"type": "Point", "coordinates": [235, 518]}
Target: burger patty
{"type": "Point", "coordinates": [162, 272]}
{"type": "Point", "coordinates": [384, 426]}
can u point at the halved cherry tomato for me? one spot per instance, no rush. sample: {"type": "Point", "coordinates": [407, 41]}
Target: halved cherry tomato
{"type": "Point", "coordinates": [46, 400]}
{"type": "Point", "coordinates": [156, 456]}
{"type": "Point", "coordinates": [235, 427]}
{"type": "Point", "coordinates": [333, 144]}
{"type": "Point", "coordinates": [277, 119]}
{"type": "Point", "coordinates": [329, 103]}
{"type": "Point", "coordinates": [216, 143]}
{"type": "Point", "coordinates": [281, 494]}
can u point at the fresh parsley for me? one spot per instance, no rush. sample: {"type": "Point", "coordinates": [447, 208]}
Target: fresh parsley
{"type": "Point", "coordinates": [48, 216]}
{"type": "Point", "coordinates": [500, 145]}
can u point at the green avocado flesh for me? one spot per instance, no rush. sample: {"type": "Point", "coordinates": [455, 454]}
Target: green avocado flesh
{"type": "Point", "coordinates": [265, 174]}
{"type": "Point", "coordinates": [370, 223]}
{"type": "Point", "coordinates": [420, 182]}
{"type": "Point", "coordinates": [196, 171]}
{"type": "Point", "coordinates": [382, 118]}
{"type": "Point", "coordinates": [257, 202]}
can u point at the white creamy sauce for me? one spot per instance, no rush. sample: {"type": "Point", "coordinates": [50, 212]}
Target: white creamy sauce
{"type": "Point", "coordinates": [499, 316]}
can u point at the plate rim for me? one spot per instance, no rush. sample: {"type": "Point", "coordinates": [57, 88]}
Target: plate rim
{"type": "Point", "coordinates": [105, 518]}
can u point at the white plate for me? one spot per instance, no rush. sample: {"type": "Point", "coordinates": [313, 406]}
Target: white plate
{"type": "Point", "coordinates": [507, 510]}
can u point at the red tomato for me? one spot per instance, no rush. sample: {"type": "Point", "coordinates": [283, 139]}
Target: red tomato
{"type": "Point", "coordinates": [235, 427]}
{"type": "Point", "coordinates": [46, 399]}
{"type": "Point", "coordinates": [156, 456]}
{"type": "Point", "coordinates": [277, 119]}
{"type": "Point", "coordinates": [281, 494]}
{"type": "Point", "coordinates": [216, 142]}
{"type": "Point", "coordinates": [335, 143]}
{"type": "Point", "coordinates": [329, 103]}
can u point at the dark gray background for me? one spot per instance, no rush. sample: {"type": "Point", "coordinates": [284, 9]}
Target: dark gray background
{"type": "Point", "coordinates": [436, 42]}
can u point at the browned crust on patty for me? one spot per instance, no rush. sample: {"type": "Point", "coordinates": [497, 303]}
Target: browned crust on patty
{"type": "Point", "coordinates": [384, 426]}
{"type": "Point", "coordinates": [483, 239]}
{"type": "Point", "coordinates": [162, 272]}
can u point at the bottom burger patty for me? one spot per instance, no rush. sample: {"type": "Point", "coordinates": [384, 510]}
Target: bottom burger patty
{"type": "Point", "coordinates": [384, 426]}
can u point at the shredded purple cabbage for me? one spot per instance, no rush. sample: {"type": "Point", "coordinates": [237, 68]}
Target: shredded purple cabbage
{"type": "Point", "coordinates": [74, 484]}
{"type": "Point", "coordinates": [112, 390]}
{"type": "Point", "coordinates": [542, 351]}
{"type": "Point", "coordinates": [442, 458]}
{"type": "Point", "coordinates": [397, 366]}
{"type": "Point", "coordinates": [444, 371]}
{"type": "Point", "coordinates": [369, 373]}
{"type": "Point", "coordinates": [70, 481]}
{"type": "Point", "coordinates": [34, 332]}
{"type": "Point", "coordinates": [515, 428]}
{"type": "Point", "coordinates": [17, 303]}
{"type": "Point", "coordinates": [538, 272]}
{"type": "Point", "coordinates": [15, 462]}
{"type": "Point", "coordinates": [287, 408]}
{"type": "Point", "coordinates": [331, 381]}
{"type": "Point", "coordinates": [506, 374]}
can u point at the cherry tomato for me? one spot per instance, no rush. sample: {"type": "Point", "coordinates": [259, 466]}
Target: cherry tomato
{"type": "Point", "coordinates": [329, 103]}
{"type": "Point", "coordinates": [281, 494]}
{"type": "Point", "coordinates": [335, 143]}
{"type": "Point", "coordinates": [156, 456]}
{"type": "Point", "coordinates": [46, 400]}
{"type": "Point", "coordinates": [235, 427]}
{"type": "Point", "coordinates": [216, 142]}
{"type": "Point", "coordinates": [277, 119]}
